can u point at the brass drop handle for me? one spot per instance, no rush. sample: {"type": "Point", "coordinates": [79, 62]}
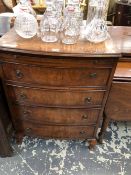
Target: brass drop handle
{"type": "Point", "coordinates": [84, 117]}
{"type": "Point", "coordinates": [26, 113]}
{"type": "Point", "coordinates": [19, 74]}
{"type": "Point", "coordinates": [28, 130]}
{"type": "Point", "coordinates": [82, 132]}
{"type": "Point", "coordinates": [88, 100]}
{"type": "Point", "coordinates": [23, 96]}
{"type": "Point", "coordinates": [93, 75]}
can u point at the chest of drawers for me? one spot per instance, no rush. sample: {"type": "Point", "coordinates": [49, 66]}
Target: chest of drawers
{"type": "Point", "coordinates": [56, 95]}
{"type": "Point", "coordinates": [61, 98]}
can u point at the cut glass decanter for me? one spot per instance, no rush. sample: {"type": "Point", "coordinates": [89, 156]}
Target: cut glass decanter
{"type": "Point", "coordinates": [49, 25]}
{"type": "Point", "coordinates": [26, 23]}
{"type": "Point", "coordinates": [96, 30]}
{"type": "Point", "coordinates": [71, 22]}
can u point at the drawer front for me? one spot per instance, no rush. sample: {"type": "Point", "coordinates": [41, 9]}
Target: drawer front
{"type": "Point", "coordinates": [55, 97]}
{"type": "Point", "coordinates": [76, 132]}
{"type": "Point", "coordinates": [56, 76]}
{"type": "Point", "coordinates": [56, 115]}
{"type": "Point", "coordinates": [54, 61]}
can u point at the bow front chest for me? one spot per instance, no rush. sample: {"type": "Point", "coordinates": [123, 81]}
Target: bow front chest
{"type": "Point", "coordinates": [56, 90]}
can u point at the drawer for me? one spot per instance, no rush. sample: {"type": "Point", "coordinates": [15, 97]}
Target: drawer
{"type": "Point", "coordinates": [72, 132]}
{"type": "Point", "coordinates": [56, 115]}
{"type": "Point", "coordinates": [56, 76]}
{"type": "Point", "coordinates": [56, 61]}
{"type": "Point", "coordinates": [50, 97]}
{"type": "Point", "coordinates": [118, 106]}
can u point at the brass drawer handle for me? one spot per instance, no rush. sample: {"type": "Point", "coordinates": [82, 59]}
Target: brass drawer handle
{"type": "Point", "coordinates": [23, 96]}
{"type": "Point", "coordinates": [82, 132]}
{"type": "Point", "coordinates": [93, 75]}
{"type": "Point", "coordinates": [26, 113]}
{"type": "Point", "coordinates": [28, 130]}
{"type": "Point", "coordinates": [85, 117]}
{"type": "Point", "coordinates": [88, 100]}
{"type": "Point", "coordinates": [19, 74]}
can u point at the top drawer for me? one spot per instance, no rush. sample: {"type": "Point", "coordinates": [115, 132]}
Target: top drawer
{"type": "Point", "coordinates": [52, 76]}
{"type": "Point", "coordinates": [58, 61]}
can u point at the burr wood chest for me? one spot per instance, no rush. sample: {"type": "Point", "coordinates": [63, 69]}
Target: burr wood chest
{"type": "Point", "coordinates": [56, 90]}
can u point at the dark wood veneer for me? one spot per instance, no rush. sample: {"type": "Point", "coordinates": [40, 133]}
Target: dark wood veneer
{"type": "Point", "coordinates": [51, 131]}
{"type": "Point", "coordinates": [56, 97]}
{"type": "Point", "coordinates": [56, 116]}
{"type": "Point", "coordinates": [57, 76]}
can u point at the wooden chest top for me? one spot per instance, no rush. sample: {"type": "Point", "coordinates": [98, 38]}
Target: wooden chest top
{"type": "Point", "coordinates": [12, 42]}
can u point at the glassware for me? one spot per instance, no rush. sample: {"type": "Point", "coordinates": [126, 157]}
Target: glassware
{"type": "Point", "coordinates": [91, 10]}
{"type": "Point", "coordinates": [92, 6]}
{"type": "Point", "coordinates": [97, 31]}
{"type": "Point", "coordinates": [59, 4]}
{"type": "Point", "coordinates": [26, 24]}
{"type": "Point", "coordinates": [49, 25]}
{"type": "Point", "coordinates": [71, 23]}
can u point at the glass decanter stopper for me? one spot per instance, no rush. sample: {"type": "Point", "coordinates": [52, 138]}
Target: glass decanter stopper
{"type": "Point", "coordinates": [97, 31]}
{"type": "Point", "coordinates": [71, 23]}
{"type": "Point", "coordinates": [26, 23]}
{"type": "Point", "coordinates": [49, 23]}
